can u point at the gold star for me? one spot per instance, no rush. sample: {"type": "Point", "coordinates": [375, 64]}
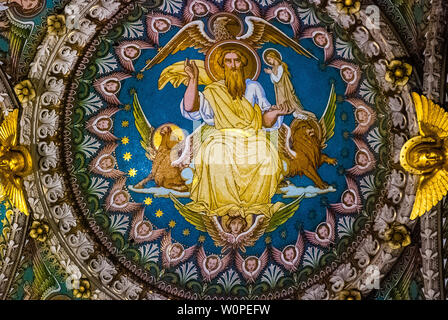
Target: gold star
{"type": "Point", "coordinates": [132, 172]}
{"type": "Point", "coordinates": [127, 107]}
{"type": "Point", "coordinates": [125, 140]}
{"type": "Point", "coordinates": [186, 232]}
{"type": "Point", "coordinates": [125, 123]}
{"type": "Point", "coordinates": [267, 240]}
{"type": "Point", "coordinates": [172, 224]}
{"type": "Point", "coordinates": [148, 201]}
{"type": "Point", "coordinates": [139, 76]}
{"type": "Point", "coordinates": [148, 61]}
{"type": "Point", "coordinates": [201, 238]}
{"type": "Point", "coordinates": [159, 213]}
{"type": "Point", "coordinates": [127, 156]}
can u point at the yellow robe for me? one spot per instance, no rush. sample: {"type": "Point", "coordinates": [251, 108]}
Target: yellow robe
{"type": "Point", "coordinates": [237, 169]}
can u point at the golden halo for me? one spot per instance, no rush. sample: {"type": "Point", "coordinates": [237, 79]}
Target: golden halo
{"type": "Point", "coordinates": [178, 132]}
{"type": "Point", "coordinates": [269, 50]}
{"type": "Point", "coordinates": [216, 72]}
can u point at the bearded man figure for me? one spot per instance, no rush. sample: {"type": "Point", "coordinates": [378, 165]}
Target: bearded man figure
{"type": "Point", "coordinates": [237, 169]}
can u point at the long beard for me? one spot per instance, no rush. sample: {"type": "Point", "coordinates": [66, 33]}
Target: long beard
{"type": "Point", "coordinates": [235, 83]}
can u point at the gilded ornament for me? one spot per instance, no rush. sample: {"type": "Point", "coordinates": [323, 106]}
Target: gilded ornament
{"type": "Point", "coordinates": [426, 155]}
{"type": "Point", "coordinates": [15, 163]}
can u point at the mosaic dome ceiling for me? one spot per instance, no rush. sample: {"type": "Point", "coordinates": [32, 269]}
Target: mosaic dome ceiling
{"type": "Point", "coordinates": [222, 149]}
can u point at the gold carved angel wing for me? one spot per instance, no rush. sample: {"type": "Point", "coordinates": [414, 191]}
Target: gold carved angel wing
{"type": "Point", "coordinates": [432, 119]}
{"type": "Point", "coordinates": [11, 184]}
{"type": "Point", "coordinates": [433, 186]}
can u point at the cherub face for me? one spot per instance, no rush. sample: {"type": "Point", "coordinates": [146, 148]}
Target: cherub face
{"type": "Point", "coordinates": [112, 86]}
{"type": "Point", "coordinates": [131, 52]}
{"type": "Point", "coordinates": [199, 9]}
{"type": "Point", "coordinates": [104, 124]}
{"type": "Point", "coordinates": [348, 199]}
{"type": "Point", "coordinates": [284, 16]}
{"type": "Point", "coordinates": [241, 5]}
{"type": "Point", "coordinates": [323, 232]}
{"type": "Point", "coordinates": [362, 115]}
{"type": "Point", "coordinates": [321, 40]}
{"type": "Point", "coordinates": [161, 25]}
{"type": "Point", "coordinates": [251, 264]}
{"type": "Point", "coordinates": [211, 263]}
{"type": "Point", "coordinates": [362, 159]}
{"type": "Point", "coordinates": [120, 198]}
{"type": "Point", "coordinates": [106, 163]}
{"type": "Point", "coordinates": [348, 74]}
{"type": "Point", "coordinates": [176, 251]}
{"type": "Point", "coordinates": [289, 254]}
{"type": "Point", "coordinates": [143, 229]}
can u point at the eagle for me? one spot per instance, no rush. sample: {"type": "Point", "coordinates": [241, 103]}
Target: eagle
{"type": "Point", "coordinates": [225, 26]}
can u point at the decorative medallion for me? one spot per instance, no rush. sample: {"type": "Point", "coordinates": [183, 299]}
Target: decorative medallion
{"type": "Point", "coordinates": [228, 149]}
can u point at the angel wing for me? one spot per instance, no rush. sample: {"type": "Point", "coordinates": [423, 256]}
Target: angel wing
{"type": "Point", "coordinates": [164, 244]}
{"type": "Point", "coordinates": [352, 188]}
{"type": "Point", "coordinates": [283, 214]}
{"type": "Point", "coordinates": [360, 169]}
{"type": "Point", "coordinates": [11, 186]}
{"type": "Point", "coordinates": [191, 216]}
{"type": "Point", "coordinates": [19, 31]}
{"type": "Point", "coordinates": [191, 35]}
{"type": "Point", "coordinates": [316, 240]}
{"type": "Point", "coordinates": [176, 75]}
{"type": "Point", "coordinates": [91, 125]}
{"type": "Point", "coordinates": [284, 142]}
{"type": "Point", "coordinates": [363, 126]}
{"type": "Point", "coordinates": [100, 83]}
{"type": "Point", "coordinates": [260, 31]}
{"type": "Point", "coordinates": [153, 33]}
{"type": "Point", "coordinates": [44, 282]}
{"type": "Point", "coordinates": [328, 47]}
{"type": "Point", "coordinates": [252, 7]}
{"type": "Point", "coordinates": [127, 206]}
{"type": "Point", "coordinates": [94, 165]}
{"type": "Point", "coordinates": [432, 119]}
{"type": "Point", "coordinates": [189, 13]}
{"type": "Point", "coordinates": [126, 61]}
{"type": "Point", "coordinates": [294, 21]}
{"type": "Point", "coordinates": [144, 128]}
{"type": "Point", "coordinates": [153, 235]}
{"type": "Point", "coordinates": [328, 120]}
{"type": "Point", "coordinates": [352, 84]}
{"type": "Point", "coordinates": [291, 266]}
{"type": "Point", "coordinates": [431, 189]}
{"type": "Point", "coordinates": [8, 129]}
{"type": "Point", "coordinates": [188, 253]}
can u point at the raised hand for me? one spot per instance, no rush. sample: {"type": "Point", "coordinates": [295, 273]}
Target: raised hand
{"type": "Point", "coordinates": [267, 70]}
{"type": "Point", "coordinates": [191, 69]}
